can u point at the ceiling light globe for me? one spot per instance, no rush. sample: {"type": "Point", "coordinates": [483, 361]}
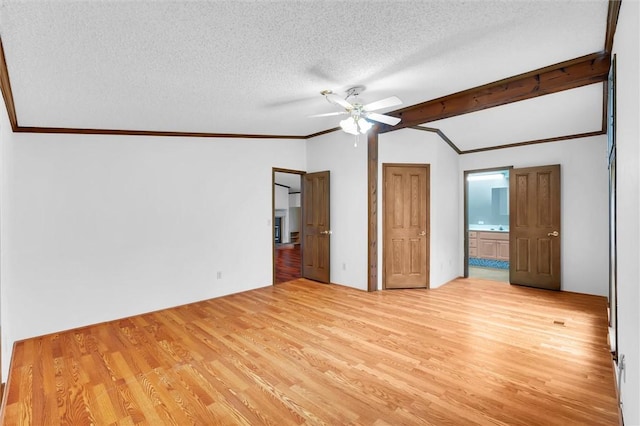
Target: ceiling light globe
{"type": "Point", "coordinates": [364, 125]}
{"type": "Point", "coordinates": [349, 126]}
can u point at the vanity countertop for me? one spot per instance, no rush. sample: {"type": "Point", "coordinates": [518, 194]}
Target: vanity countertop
{"type": "Point", "coordinates": [490, 228]}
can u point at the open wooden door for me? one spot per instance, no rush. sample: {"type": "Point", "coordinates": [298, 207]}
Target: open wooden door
{"type": "Point", "coordinates": [406, 226]}
{"type": "Point", "coordinates": [534, 241]}
{"type": "Point", "coordinates": [316, 231]}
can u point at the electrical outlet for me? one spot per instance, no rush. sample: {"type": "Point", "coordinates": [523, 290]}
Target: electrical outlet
{"type": "Point", "coordinates": [219, 275]}
{"type": "Point", "coordinates": [344, 266]}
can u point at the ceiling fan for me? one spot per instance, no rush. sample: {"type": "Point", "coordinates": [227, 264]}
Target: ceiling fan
{"type": "Point", "coordinates": [359, 114]}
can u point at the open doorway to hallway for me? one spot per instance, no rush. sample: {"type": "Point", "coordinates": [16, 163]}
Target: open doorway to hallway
{"type": "Point", "coordinates": [287, 206]}
{"type": "Point", "coordinates": [487, 224]}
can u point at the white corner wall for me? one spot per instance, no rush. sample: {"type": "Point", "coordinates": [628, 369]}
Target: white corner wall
{"type": "Point", "coordinates": [627, 48]}
{"type": "Point", "coordinates": [584, 209]}
{"type": "Point", "coordinates": [96, 228]}
{"type": "Point", "coordinates": [416, 146]}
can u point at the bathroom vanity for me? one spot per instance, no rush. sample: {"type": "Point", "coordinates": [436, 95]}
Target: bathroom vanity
{"type": "Point", "coordinates": [489, 244]}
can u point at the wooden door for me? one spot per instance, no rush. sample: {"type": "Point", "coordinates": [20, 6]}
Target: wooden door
{"type": "Point", "coordinates": [535, 227]}
{"type": "Point", "coordinates": [316, 231]}
{"type": "Point", "coordinates": [406, 226]}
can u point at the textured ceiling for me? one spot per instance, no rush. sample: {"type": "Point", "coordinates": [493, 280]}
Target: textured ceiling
{"type": "Point", "coordinates": [257, 67]}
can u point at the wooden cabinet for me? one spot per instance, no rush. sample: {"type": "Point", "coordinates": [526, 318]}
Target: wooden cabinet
{"type": "Point", "coordinates": [487, 249]}
{"type": "Point", "coordinates": [473, 244]}
{"type": "Point", "coordinates": [489, 245]}
{"type": "Point", "coordinates": [503, 250]}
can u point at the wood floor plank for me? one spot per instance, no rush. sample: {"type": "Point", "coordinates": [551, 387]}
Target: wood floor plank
{"type": "Point", "coordinates": [288, 262]}
{"type": "Point", "coordinates": [469, 352]}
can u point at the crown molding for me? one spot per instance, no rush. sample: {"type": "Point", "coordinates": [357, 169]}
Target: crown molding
{"type": "Point", "coordinates": [439, 133]}
{"type": "Point", "coordinates": [5, 87]}
{"type": "Point", "coordinates": [535, 141]}
{"type": "Point", "coordinates": [27, 129]}
{"type": "Point", "coordinates": [612, 22]}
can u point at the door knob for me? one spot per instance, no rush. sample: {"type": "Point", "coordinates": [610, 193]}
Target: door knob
{"type": "Point", "coordinates": [325, 232]}
{"type": "Point", "coordinates": [423, 233]}
{"type": "Point", "coordinates": [553, 234]}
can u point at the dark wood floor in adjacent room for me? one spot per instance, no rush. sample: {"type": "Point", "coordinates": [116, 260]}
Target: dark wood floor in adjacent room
{"type": "Point", "coordinates": [288, 262]}
{"type": "Point", "coordinates": [469, 352]}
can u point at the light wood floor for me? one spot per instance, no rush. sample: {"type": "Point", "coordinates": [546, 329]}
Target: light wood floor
{"type": "Point", "coordinates": [499, 275]}
{"type": "Point", "coordinates": [469, 352]}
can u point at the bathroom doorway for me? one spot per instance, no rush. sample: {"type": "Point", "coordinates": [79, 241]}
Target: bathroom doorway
{"type": "Point", "coordinates": [487, 224]}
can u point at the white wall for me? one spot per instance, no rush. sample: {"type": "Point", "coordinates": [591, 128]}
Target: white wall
{"type": "Point", "coordinates": [294, 200]}
{"type": "Point", "coordinates": [348, 200]}
{"type": "Point", "coordinates": [96, 228]}
{"type": "Point", "coordinates": [416, 146]}
{"type": "Point", "coordinates": [584, 214]}
{"type": "Point", "coordinates": [281, 197]}
{"type": "Point", "coordinates": [627, 46]}
{"type": "Point", "coordinates": [294, 212]}
{"type": "Point", "coordinates": [282, 210]}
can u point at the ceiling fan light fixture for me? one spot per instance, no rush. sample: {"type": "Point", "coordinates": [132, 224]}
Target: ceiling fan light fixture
{"type": "Point", "coordinates": [357, 122]}
{"type": "Point", "coordinates": [349, 125]}
{"type": "Point", "coordinates": [364, 125]}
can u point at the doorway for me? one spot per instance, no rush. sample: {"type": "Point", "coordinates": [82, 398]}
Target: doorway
{"type": "Point", "coordinates": [316, 227]}
{"type": "Point", "coordinates": [613, 250]}
{"type": "Point", "coordinates": [301, 225]}
{"type": "Point", "coordinates": [405, 232]}
{"type": "Point", "coordinates": [287, 215]}
{"type": "Point", "coordinates": [531, 240]}
{"type": "Point", "coordinates": [535, 236]}
{"type": "Point", "coordinates": [487, 224]}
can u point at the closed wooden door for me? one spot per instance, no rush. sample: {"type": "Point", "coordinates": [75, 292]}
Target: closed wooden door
{"type": "Point", "coordinates": [316, 232]}
{"type": "Point", "coordinates": [535, 227]}
{"type": "Point", "coordinates": [406, 226]}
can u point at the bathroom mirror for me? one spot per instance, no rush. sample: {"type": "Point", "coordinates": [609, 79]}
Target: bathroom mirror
{"type": "Point", "coordinates": [500, 204]}
{"type": "Point", "coordinates": [488, 200]}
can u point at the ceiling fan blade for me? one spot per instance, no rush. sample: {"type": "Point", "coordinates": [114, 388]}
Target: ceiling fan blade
{"type": "Point", "coordinates": [335, 99]}
{"type": "Point", "coordinates": [328, 114]}
{"type": "Point", "coordinates": [386, 119]}
{"type": "Point", "coordinates": [383, 103]}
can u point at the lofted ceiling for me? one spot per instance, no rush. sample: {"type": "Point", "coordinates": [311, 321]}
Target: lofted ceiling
{"type": "Point", "coordinates": [257, 67]}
